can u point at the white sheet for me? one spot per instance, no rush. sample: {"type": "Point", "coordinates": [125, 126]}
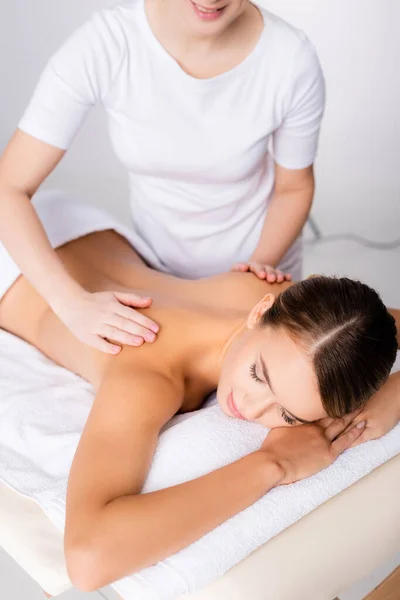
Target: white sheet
{"type": "Point", "coordinates": [43, 409]}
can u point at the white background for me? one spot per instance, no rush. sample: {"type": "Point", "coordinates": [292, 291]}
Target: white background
{"type": "Point", "coordinates": [358, 167]}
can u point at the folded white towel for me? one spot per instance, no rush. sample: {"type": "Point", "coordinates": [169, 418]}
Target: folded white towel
{"type": "Point", "coordinates": [43, 409]}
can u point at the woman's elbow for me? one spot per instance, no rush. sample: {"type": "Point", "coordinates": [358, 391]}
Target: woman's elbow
{"type": "Point", "coordinates": [83, 560]}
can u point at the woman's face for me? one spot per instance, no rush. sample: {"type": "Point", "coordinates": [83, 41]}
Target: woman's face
{"type": "Point", "coordinates": [209, 17]}
{"type": "Point", "coordinates": [267, 378]}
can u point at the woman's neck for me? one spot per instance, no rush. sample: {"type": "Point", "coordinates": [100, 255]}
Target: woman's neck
{"type": "Point", "coordinates": [209, 344]}
{"type": "Point", "coordinates": [204, 56]}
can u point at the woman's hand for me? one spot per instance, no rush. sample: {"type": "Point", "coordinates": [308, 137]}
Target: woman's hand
{"type": "Point", "coordinates": [381, 413]}
{"type": "Point", "coordinates": [262, 271]}
{"type": "Point", "coordinates": [97, 317]}
{"type": "Point", "coordinates": [305, 450]}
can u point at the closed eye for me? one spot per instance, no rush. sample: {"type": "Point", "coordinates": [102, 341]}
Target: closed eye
{"type": "Point", "coordinates": [253, 373]}
{"type": "Point", "coordinates": [286, 418]}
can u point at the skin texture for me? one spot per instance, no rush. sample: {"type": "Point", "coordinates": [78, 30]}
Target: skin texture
{"type": "Point", "coordinates": [204, 50]}
{"type": "Point", "coordinates": [212, 312]}
{"type": "Point", "coordinates": [208, 331]}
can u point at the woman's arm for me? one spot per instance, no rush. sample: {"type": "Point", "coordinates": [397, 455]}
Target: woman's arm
{"type": "Point", "coordinates": [111, 530]}
{"type": "Point", "coordinates": [24, 165]}
{"type": "Point", "coordinates": [287, 213]}
{"type": "Point", "coordinates": [91, 317]}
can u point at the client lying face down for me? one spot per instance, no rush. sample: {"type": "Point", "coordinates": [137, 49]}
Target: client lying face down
{"type": "Point", "coordinates": [321, 348]}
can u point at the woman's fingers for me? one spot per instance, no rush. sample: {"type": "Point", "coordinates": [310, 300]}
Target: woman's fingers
{"type": "Point", "coordinates": [103, 345]}
{"type": "Point", "coordinates": [132, 327]}
{"type": "Point", "coordinates": [347, 439]}
{"type": "Point", "coordinates": [131, 299]}
{"type": "Point", "coordinates": [120, 337]}
{"type": "Point", "coordinates": [364, 437]}
{"type": "Point", "coordinates": [240, 267]}
{"type": "Point", "coordinates": [258, 270]}
{"type": "Point", "coordinates": [263, 271]}
{"type": "Point", "coordinates": [338, 426]}
{"type": "Point", "coordinates": [134, 317]}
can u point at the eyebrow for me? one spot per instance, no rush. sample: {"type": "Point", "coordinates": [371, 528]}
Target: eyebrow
{"type": "Point", "coordinates": [268, 380]}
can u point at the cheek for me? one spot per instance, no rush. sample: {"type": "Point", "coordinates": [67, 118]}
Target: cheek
{"type": "Point", "coordinates": [235, 369]}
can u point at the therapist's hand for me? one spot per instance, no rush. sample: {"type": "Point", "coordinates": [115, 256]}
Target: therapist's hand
{"type": "Point", "coordinates": [262, 271]}
{"type": "Point", "coordinates": [105, 319]}
{"type": "Point", "coordinates": [382, 411]}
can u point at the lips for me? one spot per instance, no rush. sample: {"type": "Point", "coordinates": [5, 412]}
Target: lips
{"type": "Point", "coordinates": [206, 9]}
{"type": "Point", "coordinates": [208, 14]}
{"type": "Point", "coordinates": [233, 408]}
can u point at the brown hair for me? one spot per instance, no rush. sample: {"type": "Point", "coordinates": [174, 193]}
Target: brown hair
{"type": "Point", "coordinates": [348, 333]}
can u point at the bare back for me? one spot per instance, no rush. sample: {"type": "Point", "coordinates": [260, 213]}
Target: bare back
{"type": "Point", "coordinates": [105, 261]}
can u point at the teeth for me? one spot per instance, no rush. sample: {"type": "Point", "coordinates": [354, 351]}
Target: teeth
{"type": "Point", "coordinates": [206, 10]}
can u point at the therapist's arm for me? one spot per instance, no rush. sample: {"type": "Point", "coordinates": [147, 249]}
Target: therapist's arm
{"type": "Point", "coordinates": [287, 214]}
{"type": "Point", "coordinates": [25, 164]}
{"type": "Point", "coordinates": [92, 317]}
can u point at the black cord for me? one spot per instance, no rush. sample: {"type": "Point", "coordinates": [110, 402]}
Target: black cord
{"type": "Point", "coordinates": [336, 237]}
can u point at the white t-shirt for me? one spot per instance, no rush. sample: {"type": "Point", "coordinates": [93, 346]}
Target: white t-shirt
{"type": "Point", "coordinates": [199, 152]}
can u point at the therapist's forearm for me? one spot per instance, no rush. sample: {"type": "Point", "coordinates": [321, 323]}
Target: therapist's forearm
{"type": "Point", "coordinates": [287, 214]}
{"type": "Point", "coordinates": [24, 237]}
{"type": "Point", "coordinates": [134, 532]}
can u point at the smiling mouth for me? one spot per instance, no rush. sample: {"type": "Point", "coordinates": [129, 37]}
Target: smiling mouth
{"type": "Point", "coordinates": [207, 11]}
{"type": "Point", "coordinates": [233, 408]}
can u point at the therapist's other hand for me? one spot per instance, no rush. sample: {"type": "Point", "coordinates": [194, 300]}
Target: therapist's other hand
{"type": "Point", "coordinates": [381, 412]}
{"type": "Point", "coordinates": [304, 450]}
{"type": "Point", "coordinates": [105, 319]}
{"type": "Point", "coordinates": [262, 271]}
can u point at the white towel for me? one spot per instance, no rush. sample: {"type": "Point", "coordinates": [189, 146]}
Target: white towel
{"type": "Point", "coordinates": [43, 409]}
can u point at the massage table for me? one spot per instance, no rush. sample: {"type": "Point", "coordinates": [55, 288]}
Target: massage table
{"type": "Point", "coordinates": [317, 558]}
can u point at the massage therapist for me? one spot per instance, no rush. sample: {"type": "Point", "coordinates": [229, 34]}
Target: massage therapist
{"type": "Point", "coordinates": [214, 109]}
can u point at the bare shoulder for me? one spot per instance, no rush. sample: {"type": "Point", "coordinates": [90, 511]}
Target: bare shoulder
{"type": "Point", "coordinates": [132, 404]}
{"type": "Point", "coordinates": [237, 291]}
{"type": "Point", "coordinates": [148, 378]}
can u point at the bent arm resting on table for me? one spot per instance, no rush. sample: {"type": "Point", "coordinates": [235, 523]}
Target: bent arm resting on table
{"type": "Point", "coordinates": [111, 530]}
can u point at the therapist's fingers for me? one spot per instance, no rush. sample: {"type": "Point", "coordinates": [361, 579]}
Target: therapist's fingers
{"type": "Point", "coordinates": [131, 299]}
{"type": "Point", "coordinates": [117, 336]}
{"type": "Point", "coordinates": [280, 277]}
{"type": "Point", "coordinates": [134, 317]}
{"type": "Point", "coordinates": [132, 327]}
{"type": "Point", "coordinates": [103, 345]}
{"type": "Point", "coordinates": [270, 274]}
{"type": "Point", "coordinates": [240, 267]}
{"type": "Point", "coordinates": [258, 269]}
{"type": "Point", "coordinates": [127, 301]}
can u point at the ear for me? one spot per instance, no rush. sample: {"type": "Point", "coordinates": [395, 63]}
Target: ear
{"type": "Point", "coordinates": [259, 309]}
